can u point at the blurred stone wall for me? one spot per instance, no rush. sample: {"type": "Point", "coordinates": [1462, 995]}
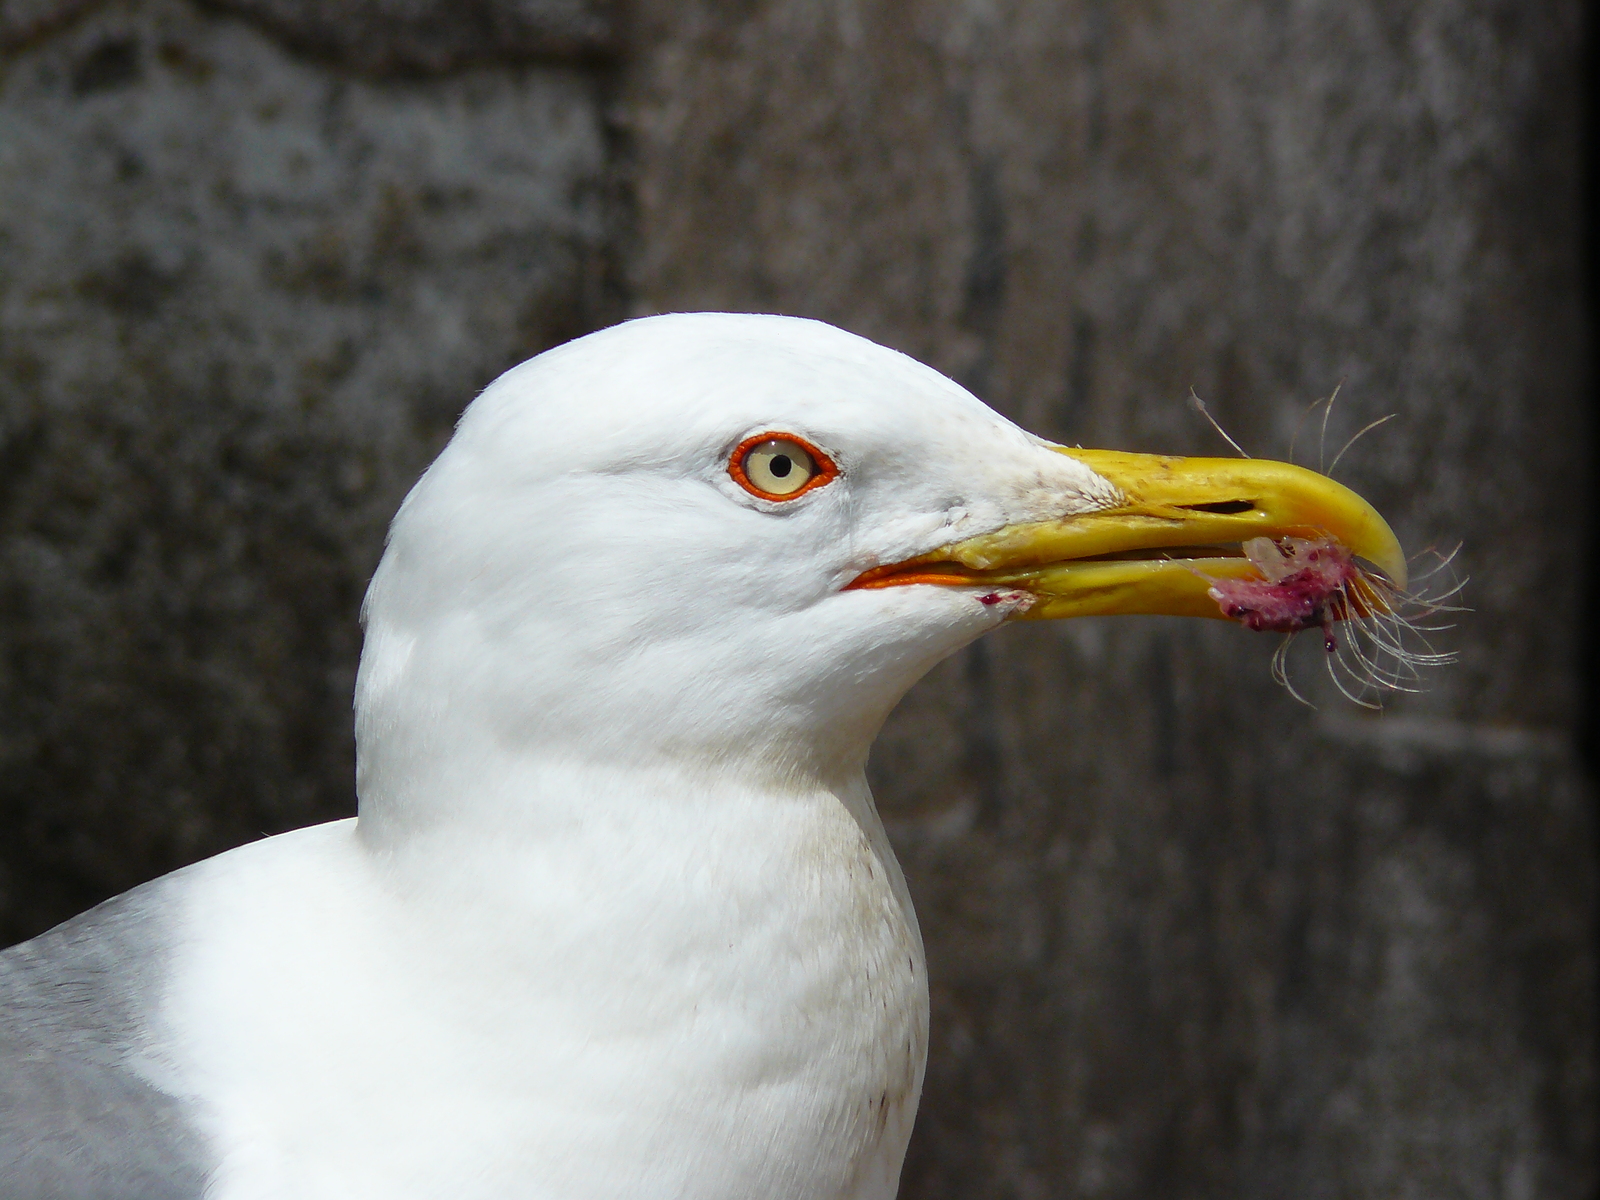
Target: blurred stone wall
{"type": "Point", "coordinates": [244, 292]}
{"type": "Point", "coordinates": [1187, 936]}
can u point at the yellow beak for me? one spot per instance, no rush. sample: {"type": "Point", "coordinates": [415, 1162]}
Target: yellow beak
{"type": "Point", "coordinates": [1179, 525]}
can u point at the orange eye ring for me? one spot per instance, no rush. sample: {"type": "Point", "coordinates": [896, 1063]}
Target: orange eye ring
{"type": "Point", "coordinates": [759, 455]}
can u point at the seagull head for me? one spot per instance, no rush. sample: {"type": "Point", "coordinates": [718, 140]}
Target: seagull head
{"type": "Point", "coordinates": [724, 543]}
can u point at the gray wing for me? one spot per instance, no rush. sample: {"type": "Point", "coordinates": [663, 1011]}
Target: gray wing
{"type": "Point", "coordinates": [75, 1122]}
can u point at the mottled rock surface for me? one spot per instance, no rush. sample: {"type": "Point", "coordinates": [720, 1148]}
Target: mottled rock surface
{"type": "Point", "coordinates": [242, 299]}
{"type": "Point", "coordinates": [386, 36]}
{"type": "Point", "coordinates": [399, 36]}
{"type": "Point", "coordinates": [1188, 938]}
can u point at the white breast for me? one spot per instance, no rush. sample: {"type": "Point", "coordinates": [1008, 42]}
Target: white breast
{"type": "Point", "coordinates": [693, 999]}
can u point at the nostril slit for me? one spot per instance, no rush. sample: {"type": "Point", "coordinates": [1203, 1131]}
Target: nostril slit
{"type": "Point", "coordinates": [1225, 507]}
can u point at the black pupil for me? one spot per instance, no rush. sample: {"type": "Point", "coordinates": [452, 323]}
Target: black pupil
{"type": "Point", "coordinates": [780, 465]}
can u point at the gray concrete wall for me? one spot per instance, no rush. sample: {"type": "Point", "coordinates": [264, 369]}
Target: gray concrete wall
{"type": "Point", "coordinates": [244, 292]}
{"type": "Point", "coordinates": [1187, 936]}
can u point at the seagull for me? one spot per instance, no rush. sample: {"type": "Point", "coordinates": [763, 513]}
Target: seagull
{"type": "Point", "coordinates": [617, 918]}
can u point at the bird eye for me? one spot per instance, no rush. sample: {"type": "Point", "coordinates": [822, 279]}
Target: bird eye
{"type": "Point", "coordinates": [778, 466]}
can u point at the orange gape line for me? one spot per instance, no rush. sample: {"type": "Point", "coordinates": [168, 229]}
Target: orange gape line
{"type": "Point", "coordinates": [900, 574]}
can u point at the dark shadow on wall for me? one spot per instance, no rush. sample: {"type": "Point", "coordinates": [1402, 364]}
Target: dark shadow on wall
{"type": "Point", "coordinates": [1589, 723]}
{"type": "Point", "coordinates": [1588, 731]}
